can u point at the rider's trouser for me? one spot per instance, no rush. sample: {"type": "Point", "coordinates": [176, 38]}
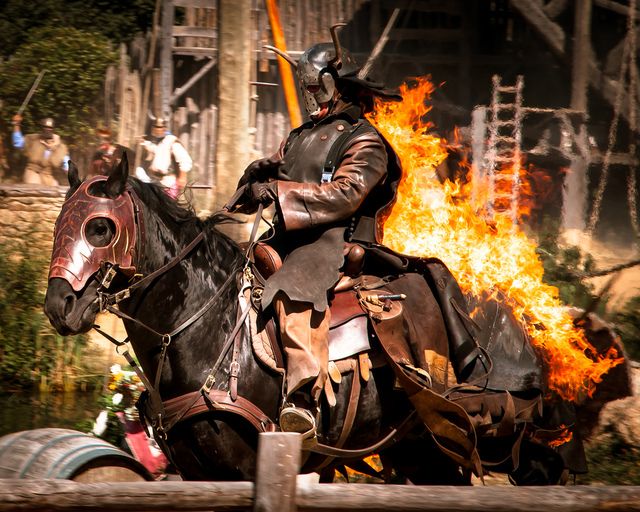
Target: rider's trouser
{"type": "Point", "coordinates": [305, 337]}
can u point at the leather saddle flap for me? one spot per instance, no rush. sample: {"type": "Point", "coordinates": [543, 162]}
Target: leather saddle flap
{"type": "Point", "coordinates": [348, 332]}
{"type": "Point", "coordinates": [345, 306]}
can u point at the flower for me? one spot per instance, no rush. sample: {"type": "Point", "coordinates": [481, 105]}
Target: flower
{"type": "Point", "coordinates": [117, 398]}
{"type": "Point", "coordinates": [100, 424]}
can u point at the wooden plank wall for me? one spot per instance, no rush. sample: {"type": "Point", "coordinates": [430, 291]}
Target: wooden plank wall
{"type": "Point", "coordinates": [305, 23]}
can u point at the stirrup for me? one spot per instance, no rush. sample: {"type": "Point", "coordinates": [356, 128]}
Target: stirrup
{"type": "Point", "coordinates": [297, 419]}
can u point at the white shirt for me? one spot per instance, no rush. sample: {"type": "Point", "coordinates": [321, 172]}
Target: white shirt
{"type": "Point", "coordinates": [160, 155]}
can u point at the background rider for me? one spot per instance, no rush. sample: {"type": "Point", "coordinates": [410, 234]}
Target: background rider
{"type": "Point", "coordinates": [166, 160]}
{"type": "Point", "coordinates": [47, 156]}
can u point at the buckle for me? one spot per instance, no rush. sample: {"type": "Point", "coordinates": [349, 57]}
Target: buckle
{"type": "Point", "coordinates": [256, 296]}
{"type": "Point", "coordinates": [108, 277]}
{"type": "Point", "coordinates": [159, 428]}
{"type": "Point", "coordinates": [122, 295]}
{"type": "Point", "coordinates": [208, 384]}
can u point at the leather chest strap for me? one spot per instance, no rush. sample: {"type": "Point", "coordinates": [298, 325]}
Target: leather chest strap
{"type": "Point", "coordinates": [337, 149]}
{"type": "Point", "coordinates": [219, 400]}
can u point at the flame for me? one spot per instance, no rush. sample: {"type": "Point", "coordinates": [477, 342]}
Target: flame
{"type": "Point", "coordinates": [565, 435]}
{"type": "Point", "coordinates": [445, 221]}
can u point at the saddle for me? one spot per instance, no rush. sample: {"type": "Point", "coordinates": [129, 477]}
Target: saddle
{"type": "Point", "coordinates": [453, 384]}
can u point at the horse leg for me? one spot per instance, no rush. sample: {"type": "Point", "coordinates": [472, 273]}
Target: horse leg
{"type": "Point", "coordinates": [223, 447]}
{"type": "Point", "coordinates": [539, 465]}
{"type": "Point", "coordinates": [423, 463]}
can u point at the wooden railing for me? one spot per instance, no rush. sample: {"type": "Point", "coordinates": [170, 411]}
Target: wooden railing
{"type": "Point", "coordinates": [276, 489]}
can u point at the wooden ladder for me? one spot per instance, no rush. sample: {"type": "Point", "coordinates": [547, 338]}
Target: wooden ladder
{"type": "Point", "coordinates": [503, 156]}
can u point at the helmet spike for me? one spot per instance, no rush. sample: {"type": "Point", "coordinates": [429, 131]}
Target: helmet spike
{"type": "Point", "coordinates": [282, 54]}
{"type": "Point", "coordinates": [337, 61]}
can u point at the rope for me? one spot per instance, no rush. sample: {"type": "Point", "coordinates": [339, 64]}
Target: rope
{"type": "Point", "coordinates": [613, 130]}
{"type": "Point", "coordinates": [629, 62]}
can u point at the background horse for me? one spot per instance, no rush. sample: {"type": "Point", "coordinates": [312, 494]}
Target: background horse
{"type": "Point", "coordinates": [190, 289]}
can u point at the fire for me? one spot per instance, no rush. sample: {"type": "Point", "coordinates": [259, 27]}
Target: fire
{"type": "Point", "coordinates": [565, 436]}
{"type": "Point", "coordinates": [439, 220]}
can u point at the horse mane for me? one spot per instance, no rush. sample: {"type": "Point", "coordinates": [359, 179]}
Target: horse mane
{"type": "Point", "coordinates": [183, 214]}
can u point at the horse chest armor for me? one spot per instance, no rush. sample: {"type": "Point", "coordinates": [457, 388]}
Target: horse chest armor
{"type": "Point", "coordinates": [306, 155]}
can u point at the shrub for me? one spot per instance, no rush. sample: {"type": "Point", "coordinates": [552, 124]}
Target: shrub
{"type": "Point", "coordinates": [31, 351]}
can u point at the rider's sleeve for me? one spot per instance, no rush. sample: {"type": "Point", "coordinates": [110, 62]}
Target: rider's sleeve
{"type": "Point", "coordinates": [17, 139]}
{"type": "Point", "coordinates": [182, 157]}
{"type": "Point", "coordinates": [305, 205]}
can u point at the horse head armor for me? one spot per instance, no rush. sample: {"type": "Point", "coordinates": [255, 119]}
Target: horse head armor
{"type": "Point", "coordinates": [74, 259]}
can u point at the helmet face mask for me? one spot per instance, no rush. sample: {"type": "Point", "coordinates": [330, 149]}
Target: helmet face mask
{"type": "Point", "coordinates": [317, 92]}
{"type": "Point", "coordinates": [317, 77]}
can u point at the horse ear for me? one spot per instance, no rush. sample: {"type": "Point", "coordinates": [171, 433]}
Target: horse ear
{"type": "Point", "coordinates": [73, 176]}
{"type": "Point", "coordinates": [117, 180]}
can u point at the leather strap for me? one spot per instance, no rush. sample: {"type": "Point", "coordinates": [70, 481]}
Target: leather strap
{"type": "Point", "coordinates": [350, 415]}
{"type": "Point", "coordinates": [217, 400]}
{"type": "Point", "coordinates": [392, 437]}
{"type": "Point", "coordinates": [448, 423]}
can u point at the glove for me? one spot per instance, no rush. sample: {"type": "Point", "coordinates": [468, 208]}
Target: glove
{"type": "Point", "coordinates": [260, 170]}
{"type": "Point", "coordinates": [263, 192]}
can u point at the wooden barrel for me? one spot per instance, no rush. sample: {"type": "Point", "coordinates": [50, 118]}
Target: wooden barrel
{"type": "Point", "coordinates": [66, 454]}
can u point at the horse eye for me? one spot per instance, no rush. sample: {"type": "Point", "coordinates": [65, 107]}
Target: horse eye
{"type": "Point", "coordinates": [99, 232]}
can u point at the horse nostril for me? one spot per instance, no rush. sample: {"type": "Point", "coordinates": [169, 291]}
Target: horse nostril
{"type": "Point", "coordinates": [69, 302]}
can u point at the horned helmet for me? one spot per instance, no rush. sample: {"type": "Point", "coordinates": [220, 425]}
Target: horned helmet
{"type": "Point", "coordinates": [318, 69]}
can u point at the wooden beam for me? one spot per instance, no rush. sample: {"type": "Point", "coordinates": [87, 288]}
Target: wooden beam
{"type": "Point", "coordinates": [581, 53]}
{"type": "Point", "coordinates": [183, 31]}
{"type": "Point", "coordinates": [576, 187]}
{"type": "Point", "coordinates": [207, 4]}
{"type": "Point", "coordinates": [234, 62]}
{"type": "Point", "coordinates": [551, 32]}
{"type": "Point", "coordinates": [614, 6]}
{"type": "Point", "coordinates": [555, 38]}
{"type": "Point", "coordinates": [199, 51]}
{"type": "Point", "coordinates": [67, 496]}
{"type": "Point", "coordinates": [166, 57]}
{"type": "Point", "coordinates": [194, 78]}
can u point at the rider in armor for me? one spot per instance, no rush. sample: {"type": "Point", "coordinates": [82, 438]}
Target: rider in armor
{"type": "Point", "coordinates": [321, 198]}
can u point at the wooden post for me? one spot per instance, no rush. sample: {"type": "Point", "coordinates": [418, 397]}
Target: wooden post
{"type": "Point", "coordinates": [288, 83]}
{"type": "Point", "coordinates": [277, 471]}
{"type": "Point", "coordinates": [234, 59]}
{"type": "Point", "coordinates": [166, 57]}
{"type": "Point", "coordinates": [575, 190]}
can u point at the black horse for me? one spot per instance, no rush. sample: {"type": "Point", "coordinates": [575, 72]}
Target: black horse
{"type": "Point", "coordinates": [180, 277]}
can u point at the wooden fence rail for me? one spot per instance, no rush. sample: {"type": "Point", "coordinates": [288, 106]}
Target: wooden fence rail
{"type": "Point", "coordinates": [65, 495]}
{"type": "Point", "coordinates": [276, 490]}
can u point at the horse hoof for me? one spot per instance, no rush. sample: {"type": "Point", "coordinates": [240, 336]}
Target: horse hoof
{"type": "Point", "coordinates": [297, 419]}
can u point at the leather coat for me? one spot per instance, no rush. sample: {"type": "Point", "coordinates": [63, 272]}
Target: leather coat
{"type": "Point", "coordinates": [314, 219]}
